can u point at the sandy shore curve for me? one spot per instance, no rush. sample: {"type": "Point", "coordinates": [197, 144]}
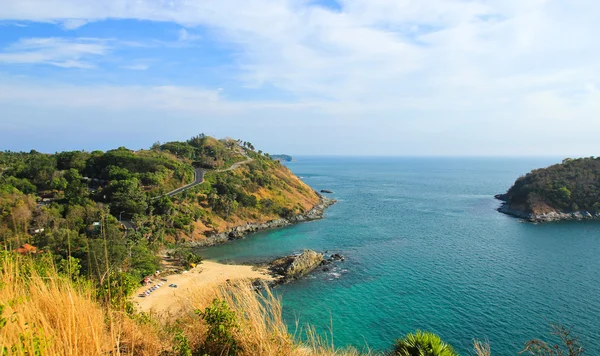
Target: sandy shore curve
{"type": "Point", "coordinates": [169, 301]}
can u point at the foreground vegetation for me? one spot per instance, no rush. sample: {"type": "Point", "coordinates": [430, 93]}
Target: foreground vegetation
{"type": "Point", "coordinates": [572, 186]}
{"type": "Point", "coordinates": [44, 311]}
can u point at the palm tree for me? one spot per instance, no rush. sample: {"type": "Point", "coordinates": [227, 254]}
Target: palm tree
{"type": "Point", "coordinates": [422, 343]}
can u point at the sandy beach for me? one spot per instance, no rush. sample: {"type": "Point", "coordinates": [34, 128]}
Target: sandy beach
{"type": "Point", "coordinates": [167, 300]}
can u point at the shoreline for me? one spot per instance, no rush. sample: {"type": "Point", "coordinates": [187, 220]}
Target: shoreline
{"type": "Point", "coordinates": [553, 216]}
{"type": "Point", "coordinates": [241, 231]}
{"type": "Point", "coordinates": [175, 291]}
{"type": "Point", "coordinates": [169, 301]}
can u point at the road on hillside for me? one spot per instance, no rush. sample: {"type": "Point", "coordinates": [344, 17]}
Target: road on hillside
{"type": "Point", "coordinates": [199, 178]}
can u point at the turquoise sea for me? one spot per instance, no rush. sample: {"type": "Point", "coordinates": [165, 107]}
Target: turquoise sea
{"type": "Point", "coordinates": [426, 249]}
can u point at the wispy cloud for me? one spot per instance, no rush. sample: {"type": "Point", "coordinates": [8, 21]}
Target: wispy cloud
{"type": "Point", "coordinates": [72, 24]}
{"type": "Point", "coordinates": [12, 23]}
{"type": "Point", "coordinates": [60, 52]}
{"type": "Point", "coordinates": [185, 36]}
{"type": "Point", "coordinates": [110, 96]}
{"type": "Point", "coordinates": [137, 66]}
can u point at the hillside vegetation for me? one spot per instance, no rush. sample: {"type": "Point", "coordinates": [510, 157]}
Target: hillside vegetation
{"type": "Point", "coordinates": [571, 186]}
{"type": "Point", "coordinates": [72, 203]}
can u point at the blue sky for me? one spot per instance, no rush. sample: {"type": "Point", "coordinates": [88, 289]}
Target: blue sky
{"type": "Point", "coordinates": [347, 77]}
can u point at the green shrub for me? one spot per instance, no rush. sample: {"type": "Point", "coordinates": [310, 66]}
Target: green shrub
{"type": "Point", "coordinates": [422, 343]}
{"type": "Point", "coordinates": [182, 345]}
{"type": "Point", "coordinates": [221, 323]}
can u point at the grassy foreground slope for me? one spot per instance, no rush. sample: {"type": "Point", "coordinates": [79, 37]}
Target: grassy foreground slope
{"type": "Point", "coordinates": [44, 311]}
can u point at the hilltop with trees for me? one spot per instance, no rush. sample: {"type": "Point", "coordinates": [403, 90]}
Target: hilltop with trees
{"type": "Point", "coordinates": [569, 190]}
{"type": "Point", "coordinates": [105, 215]}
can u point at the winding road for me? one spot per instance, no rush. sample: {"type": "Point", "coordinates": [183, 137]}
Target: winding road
{"type": "Point", "coordinates": [199, 178]}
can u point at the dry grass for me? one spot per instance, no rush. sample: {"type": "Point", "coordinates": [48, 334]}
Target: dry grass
{"type": "Point", "coordinates": [51, 316]}
{"type": "Point", "coordinates": [261, 329]}
{"type": "Point", "coordinates": [319, 345]}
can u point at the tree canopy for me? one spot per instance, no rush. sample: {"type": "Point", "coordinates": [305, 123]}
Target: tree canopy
{"type": "Point", "coordinates": [572, 185]}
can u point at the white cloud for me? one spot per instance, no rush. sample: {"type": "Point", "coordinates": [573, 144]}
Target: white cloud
{"type": "Point", "coordinates": [184, 36]}
{"type": "Point", "coordinates": [450, 70]}
{"type": "Point", "coordinates": [60, 52]}
{"type": "Point", "coordinates": [108, 97]}
{"type": "Point", "coordinates": [72, 24]}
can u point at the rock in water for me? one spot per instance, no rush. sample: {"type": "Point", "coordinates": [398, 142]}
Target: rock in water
{"type": "Point", "coordinates": [296, 266]}
{"type": "Point", "coordinates": [337, 257]}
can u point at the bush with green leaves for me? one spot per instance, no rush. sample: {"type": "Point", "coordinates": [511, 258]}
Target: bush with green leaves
{"type": "Point", "coordinates": [422, 343]}
{"type": "Point", "coordinates": [182, 345]}
{"type": "Point", "coordinates": [221, 322]}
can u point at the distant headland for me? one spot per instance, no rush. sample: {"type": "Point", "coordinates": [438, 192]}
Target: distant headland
{"type": "Point", "coordinates": [282, 157]}
{"type": "Point", "coordinates": [566, 191]}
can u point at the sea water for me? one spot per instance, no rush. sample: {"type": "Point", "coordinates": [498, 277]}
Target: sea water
{"type": "Point", "coordinates": [426, 249]}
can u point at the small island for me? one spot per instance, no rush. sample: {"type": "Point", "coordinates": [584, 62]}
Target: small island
{"type": "Point", "coordinates": [282, 158]}
{"type": "Point", "coordinates": [566, 191]}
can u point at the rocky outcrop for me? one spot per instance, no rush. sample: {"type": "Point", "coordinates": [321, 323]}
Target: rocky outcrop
{"type": "Point", "coordinates": [503, 197]}
{"type": "Point", "coordinates": [241, 231]}
{"type": "Point", "coordinates": [546, 216]}
{"type": "Point", "coordinates": [296, 266]}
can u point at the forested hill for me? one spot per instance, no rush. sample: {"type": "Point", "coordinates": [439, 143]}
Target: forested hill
{"type": "Point", "coordinates": [69, 202]}
{"type": "Point", "coordinates": [572, 186]}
